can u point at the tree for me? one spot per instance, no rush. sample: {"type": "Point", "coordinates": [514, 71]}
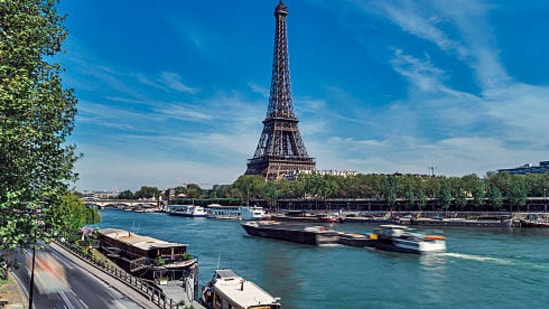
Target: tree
{"type": "Point", "coordinates": [147, 192]}
{"type": "Point", "coordinates": [478, 195]}
{"type": "Point", "coordinates": [445, 196]}
{"type": "Point", "coordinates": [461, 199]}
{"type": "Point", "coordinates": [125, 195]}
{"type": "Point", "coordinates": [421, 200]}
{"type": "Point", "coordinates": [494, 197]}
{"type": "Point", "coordinates": [271, 194]}
{"type": "Point", "coordinates": [517, 192]}
{"type": "Point", "coordinates": [249, 186]}
{"type": "Point", "coordinates": [36, 117]}
{"type": "Point", "coordinates": [410, 199]}
{"type": "Point", "coordinates": [285, 188]}
{"type": "Point", "coordinates": [194, 191]}
{"type": "Point", "coordinates": [390, 190]}
{"type": "Point", "coordinates": [502, 181]}
{"type": "Point", "coordinates": [73, 214]}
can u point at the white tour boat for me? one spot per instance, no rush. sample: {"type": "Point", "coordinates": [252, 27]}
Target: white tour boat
{"type": "Point", "coordinates": [235, 212]}
{"type": "Point", "coordinates": [186, 211]}
{"type": "Point", "coordinates": [229, 290]}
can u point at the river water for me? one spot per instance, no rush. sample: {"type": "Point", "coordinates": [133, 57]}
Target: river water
{"type": "Point", "coordinates": [482, 268]}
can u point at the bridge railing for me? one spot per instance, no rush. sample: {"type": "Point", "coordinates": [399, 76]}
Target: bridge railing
{"type": "Point", "coordinates": [153, 293]}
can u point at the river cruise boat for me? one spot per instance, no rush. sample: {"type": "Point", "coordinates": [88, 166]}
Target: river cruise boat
{"type": "Point", "coordinates": [229, 290]}
{"type": "Point", "coordinates": [220, 212]}
{"type": "Point", "coordinates": [400, 238]}
{"type": "Point", "coordinates": [147, 257]}
{"type": "Point", "coordinates": [304, 234]}
{"type": "Point", "coordinates": [186, 211]}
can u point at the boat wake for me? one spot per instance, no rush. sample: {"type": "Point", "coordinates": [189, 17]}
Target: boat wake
{"type": "Point", "coordinates": [478, 258]}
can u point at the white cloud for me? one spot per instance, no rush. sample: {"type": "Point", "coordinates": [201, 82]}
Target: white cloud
{"type": "Point", "coordinates": [173, 81]}
{"type": "Point", "coordinates": [412, 17]}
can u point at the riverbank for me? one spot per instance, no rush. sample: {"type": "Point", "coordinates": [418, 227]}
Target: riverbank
{"type": "Point", "coordinates": [499, 219]}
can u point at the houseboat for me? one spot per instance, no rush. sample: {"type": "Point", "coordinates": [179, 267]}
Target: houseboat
{"type": "Point", "coordinates": [186, 211]}
{"type": "Point", "coordinates": [310, 235]}
{"type": "Point", "coordinates": [147, 257]}
{"type": "Point", "coordinates": [220, 212]}
{"type": "Point", "coordinates": [229, 290]}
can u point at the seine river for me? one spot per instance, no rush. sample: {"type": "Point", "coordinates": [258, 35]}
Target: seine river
{"type": "Point", "coordinates": [482, 268]}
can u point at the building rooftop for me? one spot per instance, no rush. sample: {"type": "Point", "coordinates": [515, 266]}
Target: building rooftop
{"type": "Point", "coordinates": [141, 242]}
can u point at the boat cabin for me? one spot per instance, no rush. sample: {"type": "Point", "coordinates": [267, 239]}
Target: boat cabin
{"type": "Point", "coordinates": [391, 230]}
{"type": "Point", "coordinates": [232, 291]}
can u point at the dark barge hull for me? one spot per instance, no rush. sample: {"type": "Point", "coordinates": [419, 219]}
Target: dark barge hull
{"type": "Point", "coordinates": [292, 232]}
{"type": "Point", "coordinates": [356, 240]}
{"type": "Point", "coordinates": [524, 223]}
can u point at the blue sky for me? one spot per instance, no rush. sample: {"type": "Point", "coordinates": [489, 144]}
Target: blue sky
{"type": "Point", "coordinates": [174, 91]}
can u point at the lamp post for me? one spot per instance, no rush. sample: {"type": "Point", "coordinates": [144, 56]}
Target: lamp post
{"type": "Point", "coordinates": [545, 199]}
{"type": "Point", "coordinates": [35, 224]}
{"type": "Point", "coordinates": [31, 284]}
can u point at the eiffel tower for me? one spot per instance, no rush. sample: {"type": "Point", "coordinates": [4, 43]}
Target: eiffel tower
{"type": "Point", "coordinates": [280, 149]}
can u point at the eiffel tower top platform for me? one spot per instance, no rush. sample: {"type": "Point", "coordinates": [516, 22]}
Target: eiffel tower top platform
{"type": "Point", "coordinates": [280, 149]}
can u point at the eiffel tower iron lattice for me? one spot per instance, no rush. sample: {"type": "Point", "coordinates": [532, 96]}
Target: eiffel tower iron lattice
{"type": "Point", "coordinates": [280, 149]}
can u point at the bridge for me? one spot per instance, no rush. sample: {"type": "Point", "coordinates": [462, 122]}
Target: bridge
{"type": "Point", "coordinates": [117, 203]}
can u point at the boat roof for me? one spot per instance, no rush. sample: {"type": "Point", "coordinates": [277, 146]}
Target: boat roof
{"type": "Point", "coordinates": [244, 293]}
{"type": "Point", "coordinates": [141, 242]}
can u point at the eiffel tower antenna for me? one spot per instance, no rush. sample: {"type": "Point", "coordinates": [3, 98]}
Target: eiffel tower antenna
{"type": "Point", "coordinates": [280, 149]}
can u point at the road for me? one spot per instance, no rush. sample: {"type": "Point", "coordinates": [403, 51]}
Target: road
{"type": "Point", "coordinates": [62, 280]}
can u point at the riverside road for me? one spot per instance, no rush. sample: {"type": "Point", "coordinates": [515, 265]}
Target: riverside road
{"type": "Point", "coordinates": [62, 280]}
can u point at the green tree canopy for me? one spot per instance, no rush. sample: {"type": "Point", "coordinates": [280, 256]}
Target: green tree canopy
{"type": "Point", "coordinates": [249, 186]}
{"type": "Point", "coordinates": [494, 196]}
{"type": "Point", "coordinates": [146, 192]}
{"type": "Point", "coordinates": [517, 191]}
{"type": "Point", "coordinates": [125, 195]}
{"type": "Point", "coordinates": [36, 117]}
{"type": "Point", "coordinates": [390, 190]}
{"type": "Point", "coordinates": [73, 214]}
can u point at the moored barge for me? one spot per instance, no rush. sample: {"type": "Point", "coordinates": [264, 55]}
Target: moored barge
{"type": "Point", "coordinates": [310, 235]}
{"type": "Point", "coordinates": [147, 257]}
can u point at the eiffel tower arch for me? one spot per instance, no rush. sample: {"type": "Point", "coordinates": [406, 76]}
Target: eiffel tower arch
{"type": "Point", "coordinates": [280, 149]}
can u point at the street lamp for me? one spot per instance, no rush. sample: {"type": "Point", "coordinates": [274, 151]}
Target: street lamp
{"type": "Point", "coordinates": [545, 199]}
{"type": "Point", "coordinates": [31, 284]}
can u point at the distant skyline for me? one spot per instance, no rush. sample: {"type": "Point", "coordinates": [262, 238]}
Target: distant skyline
{"type": "Point", "coordinates": [173, 92]}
